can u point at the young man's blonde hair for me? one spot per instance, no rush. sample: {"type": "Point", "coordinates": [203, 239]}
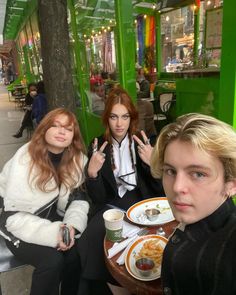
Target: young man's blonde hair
{"type": "Point", "coordinates": [207, 133]}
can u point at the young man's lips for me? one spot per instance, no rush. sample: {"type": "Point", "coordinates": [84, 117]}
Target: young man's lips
{"type": "Point", "coordinates": [180, 205]}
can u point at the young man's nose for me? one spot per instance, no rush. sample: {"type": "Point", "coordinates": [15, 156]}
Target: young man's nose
{"type": "Point", "coordinates": [180, 183]}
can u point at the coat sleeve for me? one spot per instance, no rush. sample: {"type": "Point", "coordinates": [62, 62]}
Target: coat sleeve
{"type": "Point", "coordinates": [77, 215]}
{"type": "Point", "coordinates": [77, 208]}
{"type": "Point", "coordinates": [4, 176]}
{"type": "Point", "coordinates": [33, 229]}
{"type": "Point", "coordinates": [95, 186]}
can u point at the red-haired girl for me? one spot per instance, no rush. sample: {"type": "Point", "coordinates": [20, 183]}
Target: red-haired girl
{"type": "Point", "coordinates": [40, 186]}
{"type": "Point", "coordinates": [118, 174]}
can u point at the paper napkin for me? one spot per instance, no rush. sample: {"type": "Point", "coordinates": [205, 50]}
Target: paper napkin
{"type": "Point", "coordinates": [129, 229]}
{"type": "Point", "coordinates": [121, 259]}
{"type": "Point", "coordinates": [117, 247]}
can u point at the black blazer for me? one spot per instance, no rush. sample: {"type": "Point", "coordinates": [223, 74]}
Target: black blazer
{"type": "Point", "coordinates": [103, 189]}
{"type": "Point", "coordinates": [202, 259]}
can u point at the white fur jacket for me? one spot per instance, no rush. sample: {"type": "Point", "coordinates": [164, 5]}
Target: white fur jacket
{"type": "Point", "coordinates": [18, 195]}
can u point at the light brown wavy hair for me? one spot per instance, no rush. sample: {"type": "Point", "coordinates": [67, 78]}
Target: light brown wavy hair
{"type": "Point", "coordinates": [204, 132]}
{"type": "Point", "coordinates": [67, 172]}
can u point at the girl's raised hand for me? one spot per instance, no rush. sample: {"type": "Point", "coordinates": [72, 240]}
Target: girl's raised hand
{"type": "Point", "coordinates": [144, 147]}
{"type": "Point", "coordinates": [97, 159]}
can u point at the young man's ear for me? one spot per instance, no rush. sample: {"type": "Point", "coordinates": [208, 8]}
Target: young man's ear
{"type": "Point", "coordinates": [231, 188]}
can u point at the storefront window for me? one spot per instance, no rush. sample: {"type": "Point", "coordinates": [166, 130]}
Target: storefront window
{"type": "Point", "coordinates": [146, 41]}
{"type": "Point", "coordinates": [177, 36]}
{"type": "Point", "coordinates": [36, 41]}
{"type": "Point", "coordinates": [177, 33]}
{"type": "Point", "coordinates": [21, 57]}
{"type": "Point", "coordinates": [31, 50]}
{"type": "Point", "coordinates": [209, 51]}
{"type": "Point", "coordinates": [96, 30]}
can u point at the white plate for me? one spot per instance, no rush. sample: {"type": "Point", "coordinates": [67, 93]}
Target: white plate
{"type": "Point", "coordinates": [134, 250]}
{"type": "Point", "coordinates": [136, 213]}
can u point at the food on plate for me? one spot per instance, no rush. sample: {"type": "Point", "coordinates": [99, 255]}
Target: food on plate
{"type": "Point", "coordinates": [145, 266]}
{"type": "Point", "coordinates": [153, 250]}
{"type": "Point", "coordinates": [152, 213]}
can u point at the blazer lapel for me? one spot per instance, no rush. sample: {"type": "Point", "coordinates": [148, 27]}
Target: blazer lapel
{"type": "Point", "coordinates": [107, 170]}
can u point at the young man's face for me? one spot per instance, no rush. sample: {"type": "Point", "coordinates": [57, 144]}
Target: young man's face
{"type": "Point", "coordinates": [193, 181]}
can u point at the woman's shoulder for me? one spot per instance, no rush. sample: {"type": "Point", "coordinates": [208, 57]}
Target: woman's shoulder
{"type": "Point", "coordinates": [19, 161]}
{"type": "Point", "coordinates": [22, 151]}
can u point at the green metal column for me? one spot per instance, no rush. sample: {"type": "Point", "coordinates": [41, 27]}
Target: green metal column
{"type": "Point", "coordinates": [196, 33]}
{"type": "Point", "coordinates": [227, 97]}
{"type": "Point", "coordinates": [81, 67]}
{"type": "Point", "coordinates": [126, 45]}
{"type": "Point", "coordinates": [158, 44]}
{"type": "Point", "coordinates": [28, 74]}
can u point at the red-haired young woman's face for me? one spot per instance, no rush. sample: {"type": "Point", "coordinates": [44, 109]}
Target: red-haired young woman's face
{"type": "Point", "coordinates": [60, 135]}
{"type": "Point", "coordinates": [119, 121]}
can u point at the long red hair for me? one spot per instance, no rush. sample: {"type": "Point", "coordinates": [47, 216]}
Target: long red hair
{"type": "Point", "coordinates": [119, 96]}
{"type": "Point", "coordinates": [67, 172]}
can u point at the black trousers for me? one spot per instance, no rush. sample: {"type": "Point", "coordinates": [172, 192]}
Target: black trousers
{"type": "Point", "coordinates": [52, 267]}
{"type": "Point", "coordinates": [27, 121]}
{"type": "Point", "coordinates": [90, 248]}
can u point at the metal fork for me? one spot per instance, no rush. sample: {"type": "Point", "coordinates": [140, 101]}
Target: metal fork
{"type": "Point", "coordinates": [143, 231]}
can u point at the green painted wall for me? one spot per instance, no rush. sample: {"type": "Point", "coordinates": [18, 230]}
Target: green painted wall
{"type": "Point", "coordinates": [197, 95]}
{"type": "Point", "coordinates": [227, 99]}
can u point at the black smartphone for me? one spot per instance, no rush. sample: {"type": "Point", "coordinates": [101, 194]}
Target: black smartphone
{"type": "Point", "coordinates": [66, 235]}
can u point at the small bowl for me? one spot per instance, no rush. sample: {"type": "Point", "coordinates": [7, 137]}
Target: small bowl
{"type": "Point", "coordinates": [145, 266]}
{"type": "Point", "coordinates": [152, 213]}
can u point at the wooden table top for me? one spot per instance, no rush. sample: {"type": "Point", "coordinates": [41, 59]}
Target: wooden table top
{"type": "Point", "coordinates": [122, 276]}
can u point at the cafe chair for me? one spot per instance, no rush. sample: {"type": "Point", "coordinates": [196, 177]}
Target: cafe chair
{"type": "Point", "coordinates": [165, 110]}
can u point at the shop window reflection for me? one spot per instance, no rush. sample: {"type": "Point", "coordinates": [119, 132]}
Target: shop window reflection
{"type": "Point", "coordinates": [177, 38]}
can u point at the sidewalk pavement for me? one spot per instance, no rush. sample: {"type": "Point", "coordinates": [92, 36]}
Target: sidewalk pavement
{"type": "Point", "coordinates": [16, 282]}
{"type": "Point", "coordinates": [10, 118]}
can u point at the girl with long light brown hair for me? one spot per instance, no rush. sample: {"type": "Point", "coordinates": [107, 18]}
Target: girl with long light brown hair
{"type": "Point", "coordinates": [119, 175]}
{"type": "Point", "coordinates": [44, 205]}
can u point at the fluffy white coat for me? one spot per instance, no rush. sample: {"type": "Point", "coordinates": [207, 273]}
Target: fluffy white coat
{"type": "Point", "coordinates": [18, 195]}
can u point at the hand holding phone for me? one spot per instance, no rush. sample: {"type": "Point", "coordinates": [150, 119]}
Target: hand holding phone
{"type": "Point", "coordinates": [66, 235]}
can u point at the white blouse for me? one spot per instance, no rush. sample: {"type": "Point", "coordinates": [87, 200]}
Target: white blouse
{"type": "Point", "coordinates": [124, 172]}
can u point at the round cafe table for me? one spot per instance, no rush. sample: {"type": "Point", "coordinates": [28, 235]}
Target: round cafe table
{"type": "Point", "coordinates": [122, 276]}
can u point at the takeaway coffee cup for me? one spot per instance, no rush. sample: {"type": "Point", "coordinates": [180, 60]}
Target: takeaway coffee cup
{"type": "Point", "coordinates": [113, 219]}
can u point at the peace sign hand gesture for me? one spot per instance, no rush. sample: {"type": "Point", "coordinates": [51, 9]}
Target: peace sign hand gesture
{"type": "Point", "coordinates": [97, 159]}
{"type": "Point", "coordinates": [144, 148]}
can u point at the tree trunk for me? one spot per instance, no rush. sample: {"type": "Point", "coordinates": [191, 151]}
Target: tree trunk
{"type": "Point", "coordinates": [56, 62]}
